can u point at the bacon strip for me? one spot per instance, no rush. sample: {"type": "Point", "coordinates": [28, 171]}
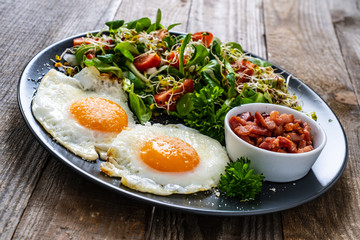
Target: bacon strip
{"type": "Point", "coordinates": [272, 132]}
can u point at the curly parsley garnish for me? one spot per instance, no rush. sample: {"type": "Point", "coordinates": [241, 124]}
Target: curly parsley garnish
{"type": "Point", "coordinates": [240, 181]}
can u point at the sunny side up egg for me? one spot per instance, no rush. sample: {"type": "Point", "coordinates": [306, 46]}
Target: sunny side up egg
{"type": "Point", "coordinates": [83, 113]}
{"type": "Point", "coordinates": [166, 159]}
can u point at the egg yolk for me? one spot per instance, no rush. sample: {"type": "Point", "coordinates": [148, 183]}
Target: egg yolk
{"type": "Point", "coordinates": [169, 154]}
{"type": "Point", "coordinates": [99, 114]}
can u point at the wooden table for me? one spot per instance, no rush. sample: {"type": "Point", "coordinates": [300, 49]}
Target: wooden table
{"type": "Point", "coordinates": [317, 41]}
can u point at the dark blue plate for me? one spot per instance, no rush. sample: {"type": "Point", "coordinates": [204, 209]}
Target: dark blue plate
{"type": "Point", "coordinates": [274, 197]}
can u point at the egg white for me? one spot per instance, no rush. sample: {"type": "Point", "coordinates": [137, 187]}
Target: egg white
{"type": "Point", "coordinates": [124, 161]}
{"type": "Point", "coordinates": [53, 98]}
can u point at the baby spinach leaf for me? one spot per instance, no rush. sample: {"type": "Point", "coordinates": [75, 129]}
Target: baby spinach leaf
{"type": "Point", "coordinates": [138, 84]}
{"type": "Point", "coordinates": [107, 58]}
{"type": "Point", "coordinates": [139, 24]}
{"type": "Point", "coordinates": [127, 49]}
{"type": "Point", "coordinates": [134, 70]}
{"type": "Point", "coordinates": [215, 48]}
{"type": "Point", "coordinates": [158, 19]}
{"type": "Point", "coordinates": [208, 80]}
{"type": "Point", "coordinates": [103, 67]}
{"type": "Point", "coordinates": [170, 41]}
{"type": "Point", "coordinates": [199, 55]}
{"type": "Point", "coordinates": [259, 62]}
{"type": "Point", "coordinates": [250, 96]}
{"type": "Point", "coordinates": [138, 106]}
{"type": "Point", "coordinates": [114, 25]}
{"type": "Point", "coordinates": [184, 105]}
{"type": "Point", "coordinates": [230, 78]}
{"type": "Point", "coordinates": [234, 45]}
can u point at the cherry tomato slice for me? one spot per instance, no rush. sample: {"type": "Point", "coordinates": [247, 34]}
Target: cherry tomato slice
{"type": "Point", "coordinates": [173, 59]}
{"type": "Point", "coordinates": [146, 61]}
{"type": "Point", "coordinates": [90, 55]}
{"type": "Point", "coordinates": [245, 70]}
{"type": "Point", "coordinates": [205, 37]}
{"type": "Point", "coordinates": [81, 40]}
{"type": "Point", "coordinates": [162, 33]}
{"type": "Point", "coordinates": [163, 98]}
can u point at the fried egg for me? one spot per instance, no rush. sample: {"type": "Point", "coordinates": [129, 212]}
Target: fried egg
{"type": "Point", "coordinates": [84, 113]}
{"type": "Point", "coordinates": [165, 159]}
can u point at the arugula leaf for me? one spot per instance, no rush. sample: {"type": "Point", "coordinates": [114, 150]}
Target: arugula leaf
{"type": "Point", "coordinates": [240, 181]}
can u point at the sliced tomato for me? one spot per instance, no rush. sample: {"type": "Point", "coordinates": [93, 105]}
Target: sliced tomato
{"type": "Point", "coordinates": [163, 98]}
{"type": "Point", "coordinates": [146, 61]}
{"type": "Point", "coordinates": [81, 40]}
{"type": "Point", "coordinates": [90, 55]}
{"type": "Point", "coordinates": [205, 37]}
{"type": "Point", "coordinates": [162, 33]}
{"type": "Point", "coordinates": [244, 70]}
{"type": "Point", "coordinates": [173, 59]}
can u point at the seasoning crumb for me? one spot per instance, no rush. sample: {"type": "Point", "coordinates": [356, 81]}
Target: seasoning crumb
{"type": "Point", "coordinates": [272, 189]}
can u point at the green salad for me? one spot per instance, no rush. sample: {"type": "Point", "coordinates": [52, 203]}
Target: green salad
{"type": "Point", "coordinates": [195, 78]}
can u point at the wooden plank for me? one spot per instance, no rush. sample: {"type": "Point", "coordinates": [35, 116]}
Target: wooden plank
{"type": "Point", "coordinates": [173, 11]}
{"type": "Point", "coordinates": [67, 206]}
{"type": "Point", "coordinates": [174, 225]}
{"type": "Point", "coordinates": [301, 39]}
{"type": "Point", "coordinates": [345, 16]}
{"type": "Point", "coordinates": [234, 21]}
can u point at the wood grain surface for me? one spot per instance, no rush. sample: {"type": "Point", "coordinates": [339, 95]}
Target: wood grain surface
{"type": "Point", "coordinates": [317, 41]}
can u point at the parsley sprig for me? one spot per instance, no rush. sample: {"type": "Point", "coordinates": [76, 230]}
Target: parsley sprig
{"type": "Point", "coordinates": [208, 112]}
{"type": "Point", "coordinates": [240, 181]}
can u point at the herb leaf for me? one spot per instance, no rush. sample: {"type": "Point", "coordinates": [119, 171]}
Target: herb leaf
{"type": "Point", "coordinates": [240, 181]}
{"type": "Point", "coordinates": [208, 112]}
